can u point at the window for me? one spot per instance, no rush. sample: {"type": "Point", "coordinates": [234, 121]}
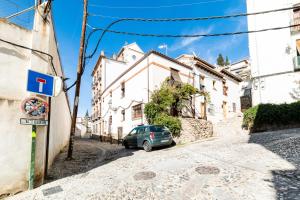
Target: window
{"type": "Point", "coordinates": [296, 20]}
{"type": "Point", "coordinates": [110, 120]}
{"type": "Point", "coordinates": [214, 84]}
{"type": "Point", "coordinates": [141, 130]}
{"type": "Point", "coordinates": [133, 57]}
{"type": "Point", "coordinates": [110, 93]}
{"type": "Point", "coordinates": [137, 111]}
{"type": "Point", "coordinates": [133, 132]}
{"type": "Point", "coordinates": [297, 58]}
{"type": "Point", "coordinates": [174, 76]}
{"type": "Point", "coordinates": [123, 115]}
{"type": "Point", "coordinates": [201, 82]}
{"type": "Point", "coordinates": [234, 107]}
{"type": "Point", "coordinates": [123, 89]}
{"type": "Point", "coordinates": [225, 89]}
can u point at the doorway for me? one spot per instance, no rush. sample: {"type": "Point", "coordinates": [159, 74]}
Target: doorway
{"type": "Point", "coordinates": [224, 106]}
{"type": "Point", "coordinates": [203, 111]}
{"type": "Point", "coordinates": [120, 134]}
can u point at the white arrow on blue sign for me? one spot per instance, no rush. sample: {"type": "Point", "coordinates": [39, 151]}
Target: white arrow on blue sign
{"type": "Point", "coordinates": [40, 83]}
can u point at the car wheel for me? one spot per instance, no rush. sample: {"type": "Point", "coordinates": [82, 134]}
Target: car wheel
{"type": "Point", "coordinates": [126, 145]}
{"type": "Point", "coordinates": [147, 147]}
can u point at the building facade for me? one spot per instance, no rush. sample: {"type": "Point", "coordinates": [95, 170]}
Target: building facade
{"type": "Point", "coordinates": [15, 143]}
{"type": "Point", "coordinates": [222, 86]}
{"type": "Point", "coordinates": [274, 55]}
{"type": "Point", "coordinates": [124, 85]}
{"type": "Point", "coordinates": [242, 69]}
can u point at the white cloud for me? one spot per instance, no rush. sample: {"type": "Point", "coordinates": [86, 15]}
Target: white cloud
{"type": "Point", "coordinates": [181, 43]}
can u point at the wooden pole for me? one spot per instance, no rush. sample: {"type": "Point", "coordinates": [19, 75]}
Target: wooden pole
{"type": "Point", "coordinates": [78, 80]}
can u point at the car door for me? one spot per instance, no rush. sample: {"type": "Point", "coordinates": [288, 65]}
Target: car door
{"type": "Point", "coordinates": [140, 136]}
{"type": "Point", "coordinates": [132, 138]}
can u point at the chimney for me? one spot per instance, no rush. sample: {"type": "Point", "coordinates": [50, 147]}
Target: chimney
{"type": "Point", "coordinates": [102, 53]}
{"type": "Point", "coordinates": [114, 56]}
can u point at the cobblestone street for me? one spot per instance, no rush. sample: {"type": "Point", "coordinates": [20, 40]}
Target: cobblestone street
{"type": "Point", "coordinates": [259, 166]}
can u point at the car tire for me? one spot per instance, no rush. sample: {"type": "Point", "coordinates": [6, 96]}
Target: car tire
{"type": "Point", "coordinates": [126, 145]}
{"type": "Point", "coordinates": [147, 146]}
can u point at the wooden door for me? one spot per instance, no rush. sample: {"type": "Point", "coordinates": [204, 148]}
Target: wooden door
{"type": "Point", "coordinates": [224, 106]}
{"type": "Point", "coordinates": [203, 111]}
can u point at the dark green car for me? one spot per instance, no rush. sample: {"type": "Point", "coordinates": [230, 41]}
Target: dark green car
{"type": "Point", "coordinates": [148, 136]}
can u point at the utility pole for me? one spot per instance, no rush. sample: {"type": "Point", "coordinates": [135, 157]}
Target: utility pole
{"type": "Point", "coordinates": [78, 80]}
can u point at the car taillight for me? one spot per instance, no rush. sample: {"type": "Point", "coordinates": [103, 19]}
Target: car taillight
{"type": "Point", "coordinates": [151, 135]}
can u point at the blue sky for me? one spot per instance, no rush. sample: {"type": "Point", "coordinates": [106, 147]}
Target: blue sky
{"type": "Point", "coordinates": [68, 17]}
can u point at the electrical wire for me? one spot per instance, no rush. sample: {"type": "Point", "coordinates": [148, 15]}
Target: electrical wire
{"type": "Point", "coordinates": [173, 20]}
{"type": "Point", "coordinates": [195, 35]}
{"type": "Point", "coordinates": [104, 30]}
{"type": "Point", "coordinates": [34, 50]}
{"type": "Point", "coordinates": [155, 7]}
{"type": "Point", "coordinates": [194, 18]}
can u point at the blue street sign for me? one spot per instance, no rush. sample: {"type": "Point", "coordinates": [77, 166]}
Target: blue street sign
{"type": "Point", "coordinates": [39, 83]}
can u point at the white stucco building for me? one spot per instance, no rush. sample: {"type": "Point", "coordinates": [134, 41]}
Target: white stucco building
{"type": "Point", "coordinates": [222, 86]}
{"type": "Point", "coordinates": [122, 85]}
{"type": "Point", "coordinates": [15, 142]}
{"type": "Point", "coordinates": [83, 127]}
{"type": "Point", "coordinates": [242, 69]}
{"type": "Point", "coordinates": [274, 55]}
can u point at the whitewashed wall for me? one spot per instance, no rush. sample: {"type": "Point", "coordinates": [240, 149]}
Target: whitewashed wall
{"type": "Point", "coordinates": [271, 64]}
{"type": "Point", "coordinates": [136, 90]}
{"type": "Point", "coordinates": [15, 143]}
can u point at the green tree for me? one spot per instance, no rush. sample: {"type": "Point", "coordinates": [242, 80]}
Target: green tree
{"type": "Point", "coordinates": [227, 63]}
{"type": "Point", "coordinates": [166, 104]}
{"type": "Point", "coordinates": [220, 60]}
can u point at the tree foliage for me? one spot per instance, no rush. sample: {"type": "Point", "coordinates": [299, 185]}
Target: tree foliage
{"type": "Point", "coordinates": [166, 104]}
{"type": "Point", "coordinates": [227, 61]}
{"type": "Point", "coordinates": [221, 62]}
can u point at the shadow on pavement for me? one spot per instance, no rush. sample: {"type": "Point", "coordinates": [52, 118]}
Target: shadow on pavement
{"type": "Point", "coordinates": [87, 155]}
{"type": "Point", "coordinates": [286, 144]}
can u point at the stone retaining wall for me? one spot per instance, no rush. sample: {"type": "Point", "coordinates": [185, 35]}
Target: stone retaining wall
{"type": "Point", "coordinates": [194, 129]}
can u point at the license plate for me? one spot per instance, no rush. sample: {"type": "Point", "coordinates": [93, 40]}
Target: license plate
{"type": "Point", "coordinates": [165, 141]}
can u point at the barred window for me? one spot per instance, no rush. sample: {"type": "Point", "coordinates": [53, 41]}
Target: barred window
{"type": "Point", "coordinates": [123, 115]}
{"type": "Point", "coordinates": [137, 111]}
{"type": "Point", "coordinates": [123, 89]}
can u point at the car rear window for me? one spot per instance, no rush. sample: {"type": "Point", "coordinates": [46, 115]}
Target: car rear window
{"type": "Point", "coordinates": [158, 128]}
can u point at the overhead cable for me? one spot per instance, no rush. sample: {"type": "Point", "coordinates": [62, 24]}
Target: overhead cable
{"type": "Point", "coordinates": [194, 18]}
{"type": "Point", "coordinates": [195, 35]}
{"type": "Point", "coordinates": [155, 7]}
{"type": "Point", "coordinates": [34, 50]}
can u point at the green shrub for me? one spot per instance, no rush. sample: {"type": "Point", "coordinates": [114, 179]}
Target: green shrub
{"type": "Point", "coordinates": [173, 123]}
{"type": "Point", "coordinates": [272, 116]}
{"type": "Point", "coordinates": [151, 111]}
{"type": "Point", "coordinates": [249, 116]}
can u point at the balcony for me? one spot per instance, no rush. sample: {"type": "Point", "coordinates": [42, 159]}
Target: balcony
{"type": "Point", "coordinates": [297, 63]}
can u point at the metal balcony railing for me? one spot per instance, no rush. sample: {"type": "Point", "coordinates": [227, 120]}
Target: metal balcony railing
{"type": "Point", "coordinates": [297, 63]}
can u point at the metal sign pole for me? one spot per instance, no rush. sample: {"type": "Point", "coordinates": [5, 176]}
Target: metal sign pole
{"type": "Point", "coordinates": [32, 162]}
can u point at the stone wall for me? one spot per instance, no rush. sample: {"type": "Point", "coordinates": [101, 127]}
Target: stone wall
{"type": "Point", "coordinates": [194, 129]}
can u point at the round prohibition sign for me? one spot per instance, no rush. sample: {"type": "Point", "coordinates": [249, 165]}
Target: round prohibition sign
{"type": "Point", "coordinates": [35, 107]}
